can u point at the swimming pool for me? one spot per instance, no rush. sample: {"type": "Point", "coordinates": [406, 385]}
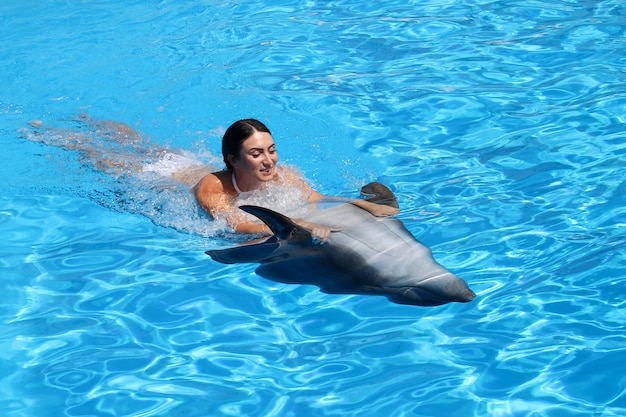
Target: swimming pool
{"type": "Point", "coordinates": [498, 124]}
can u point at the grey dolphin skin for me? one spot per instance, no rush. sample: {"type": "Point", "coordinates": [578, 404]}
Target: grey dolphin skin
{"type": "Point", "coordinates": [365, 255]}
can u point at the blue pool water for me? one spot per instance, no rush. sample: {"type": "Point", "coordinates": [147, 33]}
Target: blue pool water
{"type": "Point", "coordinates": [498, 124]}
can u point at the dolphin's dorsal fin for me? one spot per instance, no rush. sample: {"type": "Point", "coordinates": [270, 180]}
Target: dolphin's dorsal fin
{"type": "Point", "coordinates": [282, 226]}
{"type": "Point", "coordinates": [379, 194]}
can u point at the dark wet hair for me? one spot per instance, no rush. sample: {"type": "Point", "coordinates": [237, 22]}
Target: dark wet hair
{"type": "Point", "coordinates": [236, 134]}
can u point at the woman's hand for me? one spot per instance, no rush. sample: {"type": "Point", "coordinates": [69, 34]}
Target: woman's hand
{"type": "Point", "coordinates": [320, 233]}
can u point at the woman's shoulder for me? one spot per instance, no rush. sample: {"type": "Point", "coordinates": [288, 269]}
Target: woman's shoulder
{"type": "Point", "coordinates": [215, 182]}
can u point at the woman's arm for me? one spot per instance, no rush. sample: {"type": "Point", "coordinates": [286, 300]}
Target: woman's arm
{"type": "Point", "coordinates": [378, 210]}
{"type": "Point", "coordinates": [215, 200]}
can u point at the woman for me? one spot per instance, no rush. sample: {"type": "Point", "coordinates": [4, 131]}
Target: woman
{"type": "Point", "coordinates": [251, 164]}
{"type": "Point", "coordinates": [249, 153]}
{"type": "Point", "coordinates": [250, 156]}
{"type": "Point", "coordinates": [247, 147]}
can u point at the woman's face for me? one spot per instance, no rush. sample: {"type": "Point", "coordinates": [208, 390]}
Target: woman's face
{"type": "Point", "coordinates": [257, 159]}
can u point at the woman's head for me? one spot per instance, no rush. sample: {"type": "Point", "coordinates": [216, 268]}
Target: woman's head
{"type": "Point", "coordinates": [236, 134]}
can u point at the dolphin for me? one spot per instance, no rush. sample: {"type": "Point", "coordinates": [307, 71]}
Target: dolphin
{"type": "Point", "coordinates": [364, 254]}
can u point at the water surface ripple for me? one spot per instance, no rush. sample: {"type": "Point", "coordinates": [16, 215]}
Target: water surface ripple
{"type": "Point", "coordinates": [498, 124]}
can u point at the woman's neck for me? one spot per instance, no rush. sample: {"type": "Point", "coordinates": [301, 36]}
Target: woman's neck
{"type": "Point", "coordinates": [243, 186]}
{"type": "Point", "coordinates": [234, 181]}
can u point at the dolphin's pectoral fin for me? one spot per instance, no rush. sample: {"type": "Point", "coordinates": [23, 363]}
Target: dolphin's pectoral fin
{"type": "Point", "coordinates": [254, 253]}
{"type": "Point", "coordinates": [282, 226]}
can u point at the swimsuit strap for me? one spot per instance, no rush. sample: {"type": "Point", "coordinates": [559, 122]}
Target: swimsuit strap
{"type": "Point", "coordinates": [235, 183]}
